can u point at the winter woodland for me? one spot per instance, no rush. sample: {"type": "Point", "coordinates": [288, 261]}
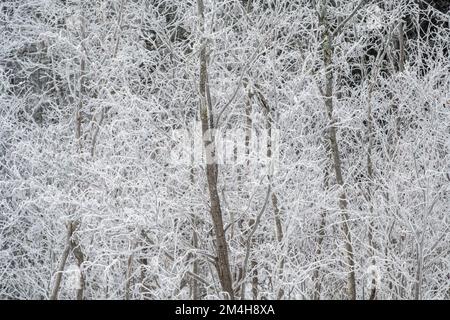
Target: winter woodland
{"type": "Point", "coordinates": [224, 149]}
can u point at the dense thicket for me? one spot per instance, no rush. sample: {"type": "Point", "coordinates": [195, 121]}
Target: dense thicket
{"type": "Point", "coordinates": [327, 176]}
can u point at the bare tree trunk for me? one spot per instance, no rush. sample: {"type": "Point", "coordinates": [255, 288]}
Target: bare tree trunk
{"type": "Point", "coordinates": [194, 283]}
{"type": "Point", "coordinates": [401, 40]}
{"type": "Point", "coordinates": [195, 292]}
{"type": "Point", "coordinates": [128, 275]}
{"type": "Point", "coordinates": [246, 171]}
{"type": "Point", "coordinates": [335, 155]}
{"type": "Point", "coordinates": [79, 256]}
{"type": "Point", "coordinates": [62, 264]}
{"type": "Point", "coordinates": [71, 245]}
{"type": "Point", "coordinates": [254, 225]}
{"type": "Point", "coordinates": [419, 273]}
{"type": "Point", "coordinates": [222, 262]}
{"type": "Point", "coordinates": [274, 198]}
{"type": "Point", "coordinates": [373, 290]}
{"type": "Point", "coordinates": [255, 280]}
{"type": "Point", "coordinates": [370, 175]}
{"type": "Point", "coordinates": [78, 119]}
{"type": "Point", "coordinates": [316, 279]}
{"type": "Point", "coordinates": [279, 233]}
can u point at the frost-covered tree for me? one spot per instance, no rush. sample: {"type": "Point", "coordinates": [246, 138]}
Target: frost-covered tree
{"type": "Point", "coordinates": [240, 149]}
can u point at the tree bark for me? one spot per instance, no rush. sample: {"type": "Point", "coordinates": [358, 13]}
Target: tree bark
{"type": "Point", "coordinates": [335, 155]}
{"type": "Point", "coordinates": [62, 264]}
{"type": "Point", "coordinates": [222, 262]}
{"type": "Point", "coordinates": [276, 210]}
